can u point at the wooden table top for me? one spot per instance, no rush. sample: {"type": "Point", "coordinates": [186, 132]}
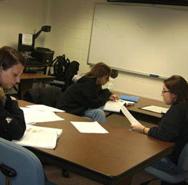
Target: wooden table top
{"type": "Point", "coordinates": [119, 153]}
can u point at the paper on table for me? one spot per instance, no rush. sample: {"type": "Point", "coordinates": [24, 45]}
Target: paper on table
{"type": "Point", "coordinates": [156, 109]}
{"type": "Point", "coordinates": [129, 116]}
{"type": "Point", "coordinates": [115, 106]}
{"type": "Point", "coordinates": [42, 137]}
{"type": "Point", "coordinates": [89, 127]}
{"type": "Point", "coordinates": [34, 116]}
{"type": "Point", "coordinates": [44, 108]}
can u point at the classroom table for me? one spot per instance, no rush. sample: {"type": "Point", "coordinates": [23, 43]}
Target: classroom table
{"type": "Point", "coordinates": [145, 102]}
{"type": "Point", "coordinates": [111, 158]}
{"type": "Point", "coordinates": [142, 102]}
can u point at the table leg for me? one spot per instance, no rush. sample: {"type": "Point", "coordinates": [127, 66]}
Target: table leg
{"type": "Point", "coordinates": [125, 181]}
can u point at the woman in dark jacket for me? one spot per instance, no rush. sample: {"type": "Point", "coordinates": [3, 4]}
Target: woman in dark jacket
{"type": "Point", "coordinates": [86, 96]}
{"type": "Point", "coordinates": [174, 124]}
{"type": "Point", "coordinates": [12, 123]}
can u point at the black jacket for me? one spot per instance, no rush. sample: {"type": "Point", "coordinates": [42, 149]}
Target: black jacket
{"type": "Point", "coordinates": [12, 123]}
{"type": "Point", "coordinates": [84, 94]}
{"type": "Point", "coordinates": [173, 127]}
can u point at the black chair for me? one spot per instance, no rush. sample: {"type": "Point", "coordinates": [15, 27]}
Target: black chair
{"type": "Point", "coordinates": [43, 95]}
{"type": "Point", "coordinates": [66, 79]}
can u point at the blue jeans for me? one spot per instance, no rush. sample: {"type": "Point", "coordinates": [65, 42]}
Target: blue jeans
{"type": "Point", "coordinates": [96, 115]}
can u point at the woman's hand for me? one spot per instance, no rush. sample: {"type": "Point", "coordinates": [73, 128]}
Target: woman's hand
{"type": "Point", "coordinates": [114, 97]}
{"type": "Point", "coordinates": [140, 128]}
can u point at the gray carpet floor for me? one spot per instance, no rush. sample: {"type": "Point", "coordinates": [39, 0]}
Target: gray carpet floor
{"type": "Point", "coordinates": [54, 174]}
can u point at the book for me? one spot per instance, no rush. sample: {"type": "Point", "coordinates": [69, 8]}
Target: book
{"type": "Point", "coordinates": [115, 106]}
{"type": "Point", "coordinates": [130, 98]}
{"type": "Point", "coordinates": [42, 137]}
{"type": "Point", "coordinates": [156, 109]}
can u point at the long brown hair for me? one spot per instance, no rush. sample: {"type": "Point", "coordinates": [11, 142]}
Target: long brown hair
{"type": "Point", "coordinates": [178, 86]}
{"type": "Point", "coordinates": [9, 57]}
{"type": "Point", "coordinates": [99, 70]}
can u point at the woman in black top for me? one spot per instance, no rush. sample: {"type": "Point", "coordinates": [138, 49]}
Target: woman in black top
{"type": "Point", "coordinates": [86, 96]}
{"type": "Point", "coordinates": [12, 123]}
{"type": "Point", "coordinates": [174, 124]}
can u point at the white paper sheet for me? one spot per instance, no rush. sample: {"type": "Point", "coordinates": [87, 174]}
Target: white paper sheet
{"type": "Point", "coordinates": [27, 39]}
{"type": "Point", "coordinates": [115, 106]}
{"type": "Point", "coordinates": [89, 127]}
{"type": "Point", "coordinates": [156, 109]}
{"type": "Point", "coordinates": [35, 116]}
{"type": "Point", "coordinates": [129, 116]}
{"type": "Point", "coordinates": [44, 108]}
{"type": "Point", "coordinates": [42, 137]}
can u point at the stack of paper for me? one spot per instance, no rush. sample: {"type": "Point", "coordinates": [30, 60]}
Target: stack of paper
{"type": "Point", "coordinates": [33, 115]}
{"type": "Point", "coordinates": [42, 137]}
{"type": "Point", "coordinates": [89, 127]}
{"type": "Point", "coordinates": [115, 106]}
{"type": "Point", "coordinates": [156, 109]}
{"type": "Point", "coordinates": [44, 108]}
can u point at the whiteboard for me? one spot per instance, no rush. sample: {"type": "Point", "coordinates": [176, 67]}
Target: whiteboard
{"type": "Point", "coordinates": [141, 39]}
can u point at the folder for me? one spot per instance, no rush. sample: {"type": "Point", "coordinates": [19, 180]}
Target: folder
{"type": "Point", "coordinates": [130, 98]}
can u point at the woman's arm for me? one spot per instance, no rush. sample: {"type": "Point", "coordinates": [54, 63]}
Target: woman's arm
{"type": "Point", "coordinates": [12, 123]}
{"type": "Point", "coordinates": [170, 125]}
{"type": "Point", "coordinates": [92, 95]}
{"type": "Point", "coordinates": [140, 128]}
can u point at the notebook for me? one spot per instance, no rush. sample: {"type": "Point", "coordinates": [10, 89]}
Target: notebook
{"type": "Point", "coordinates": [42, 137]}
{"type": "Point", "coordinates": [115, 106]}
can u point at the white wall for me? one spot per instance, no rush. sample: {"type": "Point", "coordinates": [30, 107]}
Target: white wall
{"type": "Point", "coordinates": [71, 24]}
{"type": "Point", "coordinates": [21, 16]}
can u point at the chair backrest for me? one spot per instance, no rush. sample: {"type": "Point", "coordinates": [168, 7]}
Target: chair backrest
{"type": "Point", "coordinates": [60, 65]}
{"type": "Point", "coordinates": [43, 95]}
{"type": "Point", "coordinates": [27, 166]}
{"type": "Point", "coordinates": [64, 70]}
{"type": "Point", "coordinates": [70, 72]}
{"type": "Point", "coordinates": [183, 159]}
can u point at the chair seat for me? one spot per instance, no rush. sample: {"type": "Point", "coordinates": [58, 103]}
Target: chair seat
{"type": "Point", "coordinates": [164, 176]}
{"type": "Point", "coordinates": [170, 172]}
{"type": "Point", "coordinates": [28, 168]}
